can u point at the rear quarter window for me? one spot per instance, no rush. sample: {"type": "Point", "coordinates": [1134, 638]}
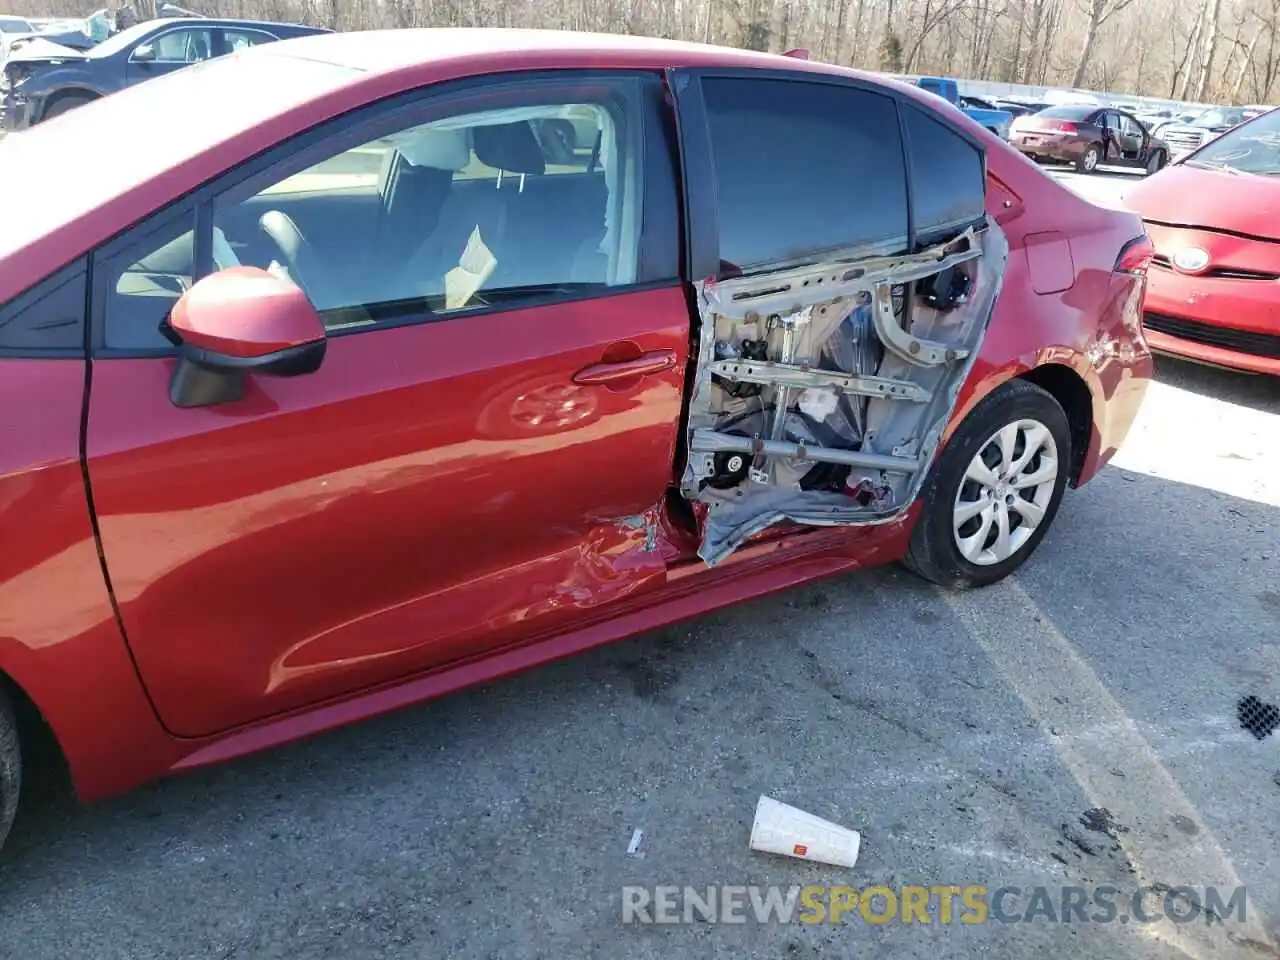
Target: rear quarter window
{"type": "Point", "coordinates": [948, 177]}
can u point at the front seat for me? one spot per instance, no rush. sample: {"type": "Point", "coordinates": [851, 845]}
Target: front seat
{"type": "Point", "coordinates": [492, 209]}
{"type": "Point", "coordinates": [413, 185]}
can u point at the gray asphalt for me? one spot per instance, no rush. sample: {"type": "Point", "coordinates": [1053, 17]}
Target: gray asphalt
{"type": "Point", "coordinates": [1073, 726]}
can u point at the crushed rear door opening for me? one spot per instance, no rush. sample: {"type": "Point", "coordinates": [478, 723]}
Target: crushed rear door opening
{"type": "Point", "coordinates": [821, 392]}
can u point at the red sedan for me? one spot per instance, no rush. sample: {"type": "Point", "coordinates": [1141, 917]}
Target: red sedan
{"type": "Point", "coordinates": [1214, 219]}
{"type": "Point", "coordinates": [449, 353]}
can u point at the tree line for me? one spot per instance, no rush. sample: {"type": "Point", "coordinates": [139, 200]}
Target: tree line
{"type": "Point", "coordinates": [1217, 51]}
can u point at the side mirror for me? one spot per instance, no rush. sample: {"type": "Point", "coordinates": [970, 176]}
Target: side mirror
{"type": "Point", "coordinates": [237, 321]}
{"type": "Point", "coordinates": [144, 53]}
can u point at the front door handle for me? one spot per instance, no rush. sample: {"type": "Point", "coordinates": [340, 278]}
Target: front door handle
{"type": "Point", "coordinates": [655, 361]}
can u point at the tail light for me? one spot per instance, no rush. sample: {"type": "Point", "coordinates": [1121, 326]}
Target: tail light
{"type": "Point", "coordinates": [1135, 256]}
{"type": "Point", "coordinates": [1067, 126]}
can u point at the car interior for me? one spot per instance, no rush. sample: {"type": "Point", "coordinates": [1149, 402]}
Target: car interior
{"type": "Point", "coordinates": [466, 212]}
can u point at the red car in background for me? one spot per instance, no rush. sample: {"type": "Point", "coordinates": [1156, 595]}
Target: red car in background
{"type": "Point", "coordinates": [448, 353]}
{"type": "Point", "coordinates": [1214, 217]}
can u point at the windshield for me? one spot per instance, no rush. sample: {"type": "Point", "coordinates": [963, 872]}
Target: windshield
{"type": "Point", "coordinates": [1220, 117]}
{"type": "Point", "coordinates": [1250, 148]}
{"type": "Point", "coordinates": [1077, 112]}
{"type": "Point", "coordinates": [14, 25]}
{"type": "Point", "coordinates": [121, 41]}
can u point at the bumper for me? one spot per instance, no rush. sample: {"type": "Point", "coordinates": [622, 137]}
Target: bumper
{"type": "Point", "coordinates": [1227, 322]}
{"type": "Point", "coordinates": [15, 113]}
{"type": "Point", "coordinates": [1049, 148]}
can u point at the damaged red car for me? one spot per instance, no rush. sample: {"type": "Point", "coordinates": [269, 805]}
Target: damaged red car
{"type": "Point", "coordinates": [1215, 277]}
{"type": "Point", "coordinates": [449, 353]}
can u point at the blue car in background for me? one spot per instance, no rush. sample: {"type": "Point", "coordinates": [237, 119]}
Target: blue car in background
{"type": "Point", "coordinates": [997, 121]}
{"type": "Point", "coordinates": [44, 79]}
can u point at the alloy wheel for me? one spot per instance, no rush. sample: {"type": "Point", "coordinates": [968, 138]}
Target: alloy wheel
{"type": "Point", "coordinates": [1005, 492]}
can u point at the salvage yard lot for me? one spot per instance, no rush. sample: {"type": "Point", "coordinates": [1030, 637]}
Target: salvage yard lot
{"type": "Point", "coordinates": [973, 739]}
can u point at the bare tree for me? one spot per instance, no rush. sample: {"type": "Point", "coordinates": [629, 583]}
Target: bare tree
{"type": "Point", "coordinates": [1221, 50]}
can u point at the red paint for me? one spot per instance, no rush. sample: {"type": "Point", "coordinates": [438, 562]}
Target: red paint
{"type": "Point", "coordinates": [1192, 207]}
{"type": "Point", "coordinates": [439, 505]}
{"type": "Point", "coordinates": [245, 312]}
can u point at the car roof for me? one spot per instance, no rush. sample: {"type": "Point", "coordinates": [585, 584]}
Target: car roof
{"type": "Point", "coordinates": [280, 89]}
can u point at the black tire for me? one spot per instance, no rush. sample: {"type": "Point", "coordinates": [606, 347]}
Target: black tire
{"type": "Point", "coordinates": [933, 552]}
{"type": "Point", "coordinates": [66, 105]}
{"type": "Point", "coordinates": [1156, 162]}
{"type": "Point", "coordinates": [10, 766]}
{"type": "Point", "coordinates": [1086, 165]}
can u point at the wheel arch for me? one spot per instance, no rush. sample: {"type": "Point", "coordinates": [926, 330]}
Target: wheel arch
{"type": "Point", "coordinates": [36, 736]}
{"type": "Point", "coordinates": [1071, 391]}
{"type": "Point", "coordinates": [67, 93]}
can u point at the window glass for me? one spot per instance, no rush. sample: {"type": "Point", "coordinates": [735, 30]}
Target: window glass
{"type": "Point", "coordinates": [947, 177]}
{"type": "Point", "coordinates": [145, 280]}
{"type": "Point", "coordinates": [473, 210]}
{"type": "Point", "coordinates": [184, 46]}
{"type": "Point", "coordinates": [803, 168]}
{"type": "Point", "coordinates": [1067, 113]}
{"type": "Point", "coordinates": [240, 39]}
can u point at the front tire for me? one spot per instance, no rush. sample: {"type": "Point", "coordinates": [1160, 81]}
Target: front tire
{"type": "Point", "coordinates": [994, 490]}
{"type": "Point", "coordinates": [10, 766]}
{"type": "Point", "coordinates": [65, 105]}
{"type": "Point", "coordinates": [1156, 162]}
{"type": "Point", "coordinates": [1088, 161]}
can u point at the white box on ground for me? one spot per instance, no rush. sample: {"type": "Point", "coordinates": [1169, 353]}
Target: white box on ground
{"type": "Point", "coordinates": [782, 829]}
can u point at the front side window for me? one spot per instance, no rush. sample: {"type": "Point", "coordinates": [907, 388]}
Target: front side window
{"type": "Point", "coordinates": [534, 196]}
{"type": "Point", "coordinates": [803, 169]}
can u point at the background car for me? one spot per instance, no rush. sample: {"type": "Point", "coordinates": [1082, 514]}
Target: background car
{"type": "Point", "coordinates": [1214, 284]}
{"type": "Point", "coordinates": [435, 359]}
{"type": "Point", "coordinates": [44, 83]}
{"type": "Point", "coordinates": [1018, 108]}
{"type": "Point", "coordinates": [15, 25]}
{"type": "Point", "coordinates": [1088, 136]}
{"type": "Point", "coordinates": [1188, 135]}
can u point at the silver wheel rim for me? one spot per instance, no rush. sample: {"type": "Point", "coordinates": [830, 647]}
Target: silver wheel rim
{"type": "Point", "coordinates": [1005, 492]}
{"type": "Point", "coordinates": [1090, 159]}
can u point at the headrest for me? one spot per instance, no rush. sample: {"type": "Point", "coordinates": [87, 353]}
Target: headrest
{"type": "Point", "coordinates": [438, 149]}
{"type": "Point", "coordinates": [510, 147]}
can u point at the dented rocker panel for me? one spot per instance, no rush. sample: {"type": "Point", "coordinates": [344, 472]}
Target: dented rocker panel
{"type": "Point", "coordinates": [864, 357]}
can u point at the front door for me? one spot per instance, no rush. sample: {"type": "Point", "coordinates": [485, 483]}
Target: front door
{"type": "Point", "coordinates": [479, 459]}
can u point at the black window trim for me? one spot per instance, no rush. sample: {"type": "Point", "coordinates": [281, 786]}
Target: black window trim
{"type": "Point", "coordinates": [658, 260]}
{"type": "Point", "coordinates": [75, 271]}
{"type": "Point", "coordinates": [702, 256]}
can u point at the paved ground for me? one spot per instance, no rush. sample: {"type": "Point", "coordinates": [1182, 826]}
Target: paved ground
{"type": "Point", "coordinates": [974, 739]}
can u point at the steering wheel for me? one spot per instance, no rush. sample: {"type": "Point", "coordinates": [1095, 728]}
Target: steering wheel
{"type": "Point", "coordinates": [295, 252]}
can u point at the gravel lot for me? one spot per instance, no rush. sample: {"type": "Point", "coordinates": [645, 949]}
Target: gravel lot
{"type": "Point", "coordinates": [1076, 725]}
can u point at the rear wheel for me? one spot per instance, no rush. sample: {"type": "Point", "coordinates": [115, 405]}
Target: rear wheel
{"type": "Point", "coordinates": [995, 489]}
{"type": "Point", "coordinates": [1156, 162]}
{"type": "Point", "coordinates": [1088, 161]}
{"type": "Point", "coordinates": [66, 105]}
{"type": "Point", "coordinates": [10, 766]}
